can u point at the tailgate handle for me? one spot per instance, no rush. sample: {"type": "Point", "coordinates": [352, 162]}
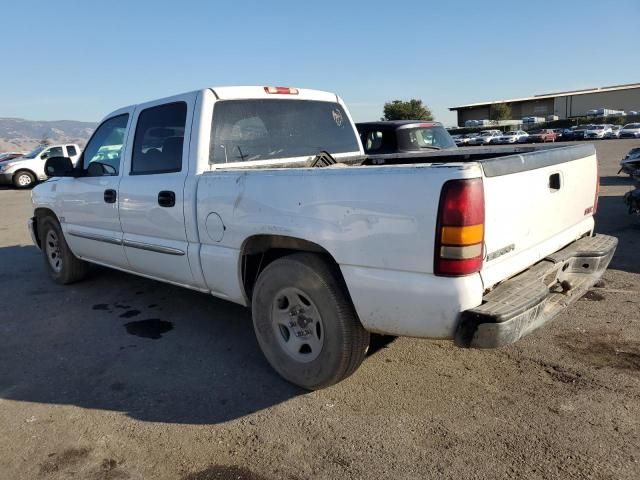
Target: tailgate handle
{"type": "Point", "coordinates": [554, 181]}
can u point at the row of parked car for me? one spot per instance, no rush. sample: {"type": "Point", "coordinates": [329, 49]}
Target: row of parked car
{"type": "Point", "coordinates": [580, 132]}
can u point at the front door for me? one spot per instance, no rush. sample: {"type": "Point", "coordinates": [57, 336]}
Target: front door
{"type": "Point", "coordinates": [89, 215]}
{"type": "Point", "coordinates": [152, 191]}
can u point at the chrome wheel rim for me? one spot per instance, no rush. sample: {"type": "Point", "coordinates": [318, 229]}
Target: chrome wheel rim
{"type": "Point", "coordinates": [297, 325]}
{"type": "Point", "coordinates": [52, 250]}
{"type": "Point", "coordinates": [24, 180]}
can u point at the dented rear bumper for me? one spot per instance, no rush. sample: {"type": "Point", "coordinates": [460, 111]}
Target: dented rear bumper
{"type": "Point", "coordinates": [525, 302]}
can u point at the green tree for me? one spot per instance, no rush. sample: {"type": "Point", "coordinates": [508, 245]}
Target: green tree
{"type": "Point", "coordinates": [411, 110]}
{"type": "Point", "coordinates": [500, 111]}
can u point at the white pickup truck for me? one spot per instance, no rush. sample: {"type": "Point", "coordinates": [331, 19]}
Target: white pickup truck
{"type": "Point", "coordinates": [263, 196]}
{"type": "Point", "coordinates": [25, 171]}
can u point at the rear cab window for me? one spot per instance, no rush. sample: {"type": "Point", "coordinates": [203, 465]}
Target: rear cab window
{"type": "Point", "coordinates": [275, 129]}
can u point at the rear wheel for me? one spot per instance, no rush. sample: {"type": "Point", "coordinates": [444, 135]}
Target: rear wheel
{"type": "Point", "coordinates": [305, 323]}
{"type": "Point", "coordinates": [23, 179]}
{"type": "Point", "coordinates": [63, 266]}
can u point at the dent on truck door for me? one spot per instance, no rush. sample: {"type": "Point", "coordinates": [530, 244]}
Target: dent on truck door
{"type": "Point", "coordinates": [152, 192]}
{"type": "Point", "coordinates": [90, 216]}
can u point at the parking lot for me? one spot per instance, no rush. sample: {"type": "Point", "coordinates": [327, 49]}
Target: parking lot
{"type": "Point", "coordinates": [119, 377]}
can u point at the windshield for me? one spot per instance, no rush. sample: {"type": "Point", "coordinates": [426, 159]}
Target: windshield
{"type": "Point", "coordinates": [510, 134]}
{"type": "Point", "coordinates": [35, 152]}
{"type": "Point", "coordinates": [249, 130]}
{"type": "Point", "coordinates": [424, 137]}
{"type": "Point", "coordinates": [632, 125]}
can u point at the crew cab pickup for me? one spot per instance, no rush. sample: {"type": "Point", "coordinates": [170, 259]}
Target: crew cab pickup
{"type": "Point", "coordinates": [263, 196]}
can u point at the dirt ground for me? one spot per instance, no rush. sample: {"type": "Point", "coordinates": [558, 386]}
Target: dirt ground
{"type": "Point", "coordinates": [89, 390]}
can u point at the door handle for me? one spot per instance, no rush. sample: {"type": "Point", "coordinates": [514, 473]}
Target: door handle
{"type": "Point", "coordinates": [166, 198]}
{"type": "Point", "coordinates": [110, 195]}
{"type": "Point", "coordinates": [554, 181]}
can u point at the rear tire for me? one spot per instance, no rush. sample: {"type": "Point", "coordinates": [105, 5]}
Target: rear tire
{"type": "Point", "coordinates": [23, 179]}
{"type": "Point", "coordinates": [63, 266]}
{"type": "Point", "coordinates": [305, 322]}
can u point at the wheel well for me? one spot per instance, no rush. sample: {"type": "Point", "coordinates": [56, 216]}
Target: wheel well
{"type": "Point", "coordinates": [260, 250]}
{"type": "Point", "coordinates": [25, 170]}
{"type": "Point", "coordinates": [40, 214]}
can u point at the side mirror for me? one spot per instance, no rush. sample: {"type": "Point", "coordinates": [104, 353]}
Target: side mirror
{"type": "Point", "coordinates": [59, 167]}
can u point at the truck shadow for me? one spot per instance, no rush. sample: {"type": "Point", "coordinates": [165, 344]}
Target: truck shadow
{"type": "Point", "coordinates": [612, 218]}
{"type": "Point", "coordinates": [616, 180]}
{"type": "Point", "coordinates": [74, 345]}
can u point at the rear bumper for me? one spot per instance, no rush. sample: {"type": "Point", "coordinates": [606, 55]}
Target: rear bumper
{"type": "Point", "coordinates": [522, 304]}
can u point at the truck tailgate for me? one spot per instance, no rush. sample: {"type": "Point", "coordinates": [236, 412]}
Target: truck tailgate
{"type": "Point", "coordinates": [535, 204]}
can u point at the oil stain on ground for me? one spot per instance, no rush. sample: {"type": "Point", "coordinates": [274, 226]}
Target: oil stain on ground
{"type": "Point", "coordinates": [593, 296]}
{"type": "Point", "coordinates": [150, 328]}
{"type": "Point", "coordinates": [130, 313]}
{"type": "Point", "coordinates": [224, 472]}
{"type": "Point", "coordinates": [610, 352]}
{"type": "Point", "coordinates": [60, 461]}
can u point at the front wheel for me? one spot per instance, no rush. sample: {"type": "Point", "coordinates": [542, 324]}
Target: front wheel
{"type": "Point", "coordinates": [23, 179]}
{"type": "Point", "coordinates": [305, 323]}
{"type": "Point", "coordinates": [63, 266]}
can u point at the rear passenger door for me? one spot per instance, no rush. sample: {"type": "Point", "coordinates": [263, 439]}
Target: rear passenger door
{"type": "Point", "coordinates": [152, 190]}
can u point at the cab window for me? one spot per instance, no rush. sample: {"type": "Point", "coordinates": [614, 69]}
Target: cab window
{"type": "Point", "coordinates": [157, 146]}
{"type": "Point", "coordinates": [52, 152]}
{"type": "Point", "coordinates": [103, 152]}
{"type": "Point", "coordinates": [379, 141]}
{"type": "Point", "coordinates": [274, 129]}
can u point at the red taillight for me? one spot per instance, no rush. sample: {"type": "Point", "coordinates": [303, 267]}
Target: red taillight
{"type": "Point", "coordinates": [460, 230]}
{"type": "Point", "coordinates": [281, 90]}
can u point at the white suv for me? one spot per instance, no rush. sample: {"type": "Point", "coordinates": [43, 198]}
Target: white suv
{"type": "Point", "coordinates": [24, 171]}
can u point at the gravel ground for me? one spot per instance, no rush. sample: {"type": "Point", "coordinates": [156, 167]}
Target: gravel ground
{"type": "Point", "coordinates": [88, 392]}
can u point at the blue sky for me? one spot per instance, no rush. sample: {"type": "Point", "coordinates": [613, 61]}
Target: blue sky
{"type": "Point", "coordinates": [80, 60]}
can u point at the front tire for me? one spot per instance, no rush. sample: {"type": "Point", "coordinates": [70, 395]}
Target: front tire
{"type": "Point", "coordinates": [305, 322]}
{"type": "Point", "coordinates": [61, 264]}
{"type": "Point", "coordinates": [23, 179]}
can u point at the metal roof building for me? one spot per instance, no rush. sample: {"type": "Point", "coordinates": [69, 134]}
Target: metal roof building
{"type": "Point", "coordinates": [569, 104]}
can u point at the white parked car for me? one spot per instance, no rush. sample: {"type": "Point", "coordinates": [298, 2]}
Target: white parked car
{"type": "Point", "coordinates": [630, 130]}
{"type": "Point", "coordinates": [512, 137]}
{"type": "Point", "coordinates": [263, 196]}
{"type": "Point", "coordinates": [24, 171]}
{"type": "Point", "coordinates": [485, 137]}
{"type": "Point", "coordinates": [462, 140]}
{"type": "Point", "coordinates": [597, 132]}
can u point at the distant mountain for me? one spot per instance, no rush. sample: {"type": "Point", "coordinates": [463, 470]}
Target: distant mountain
{"type": "Point", "coordinates": [17, 134]}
